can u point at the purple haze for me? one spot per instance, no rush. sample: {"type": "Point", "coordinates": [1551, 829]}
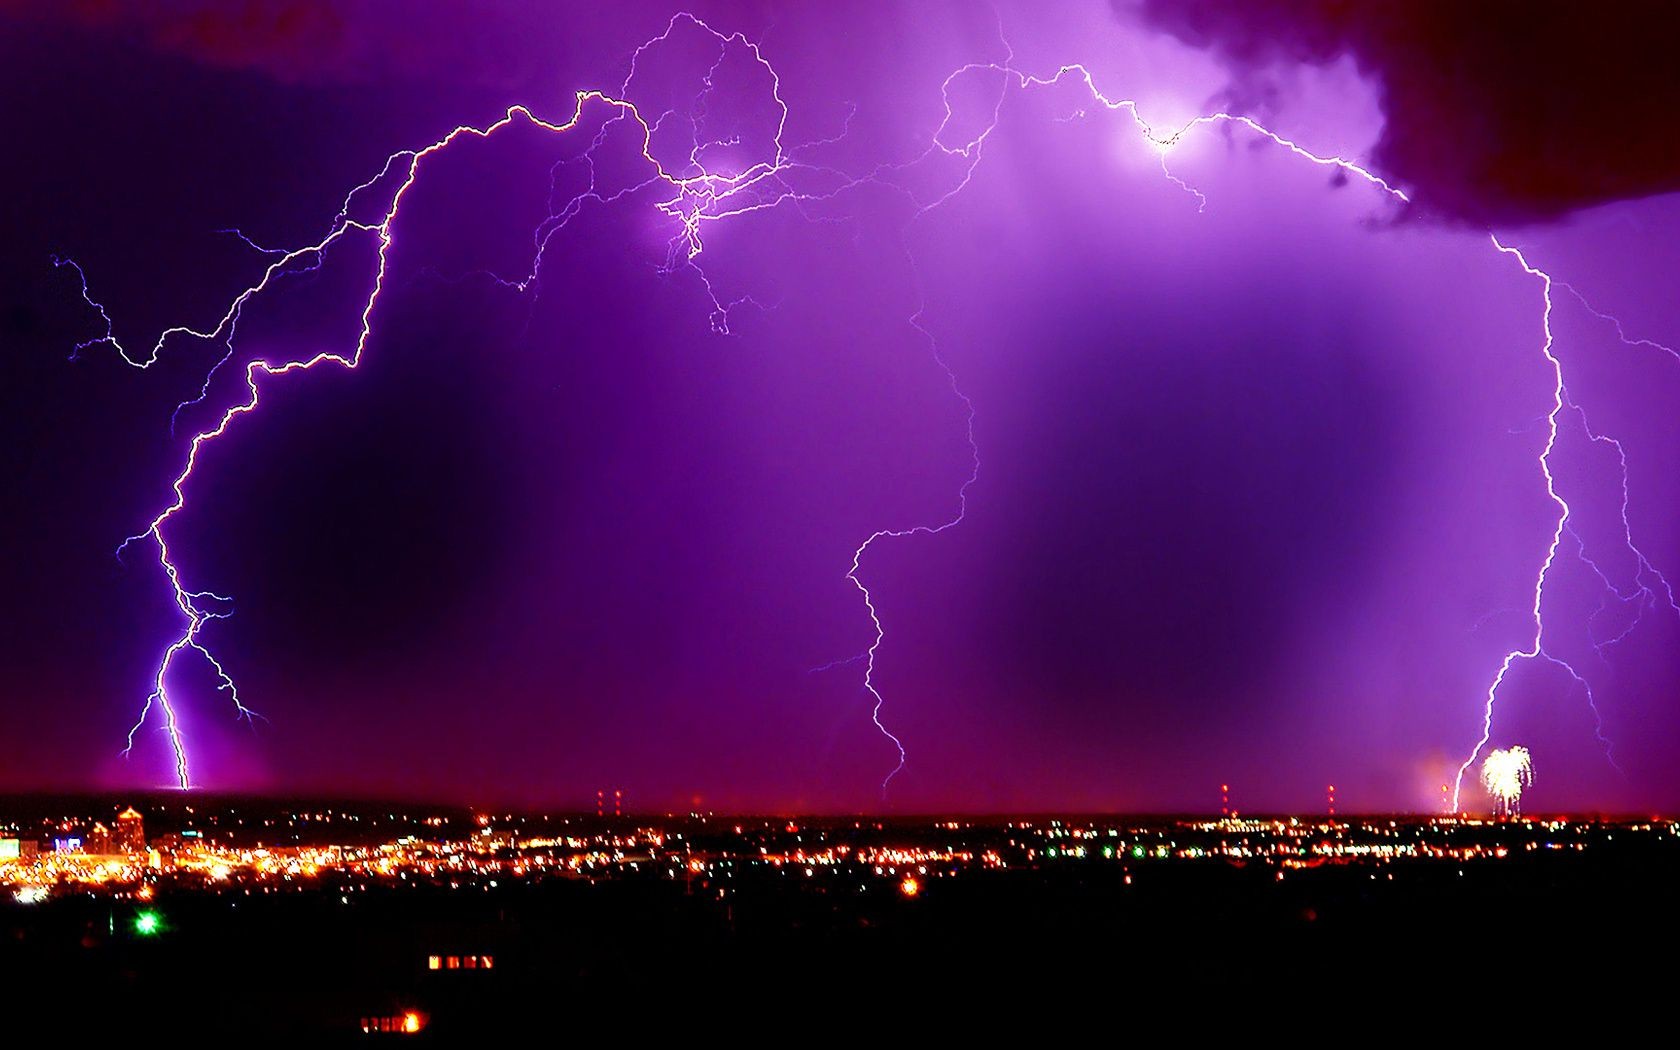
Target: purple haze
{"type": "Point", "coordinates": [1258, 500]}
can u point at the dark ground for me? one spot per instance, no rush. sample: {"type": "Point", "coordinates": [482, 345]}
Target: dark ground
{"type": "Point", "coordinates": [781, 956]}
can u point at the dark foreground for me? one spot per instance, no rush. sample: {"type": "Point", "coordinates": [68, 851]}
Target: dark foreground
{"type": "Point", "coordinates": [638, 953]}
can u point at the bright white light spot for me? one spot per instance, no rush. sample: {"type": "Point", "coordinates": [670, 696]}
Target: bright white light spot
{"type": "Point", "coordinates": [1505, 773]}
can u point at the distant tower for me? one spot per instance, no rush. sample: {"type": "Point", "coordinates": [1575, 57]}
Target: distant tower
{"type": "Point", "coordinates": [617, 803]}
{"type": "Point", "coordinates": [131, 831]}
{"type": "Point", "coordinates": [99, 840]}
{"type": "Point", "coordinates": [1332, 800]}
{"type": "Point", "coordinates": [1225, 800]}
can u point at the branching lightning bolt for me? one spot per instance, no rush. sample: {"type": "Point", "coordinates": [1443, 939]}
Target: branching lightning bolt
{"type": "Point", "coordinates": [698, 195]}
{"type": "Point", "coordinates": [1164, 143]}
{"type": "Point", "coordinates": [1560, 400]}
{"type": "Point", "coordinates": [1645, 574]}
{"type": "Point", "coordinates": [1536, 649]}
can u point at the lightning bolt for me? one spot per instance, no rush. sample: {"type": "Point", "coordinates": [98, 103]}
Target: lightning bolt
{"type": "Point", "coordinates": [1164, 145]}
{"type": "Point", "coordinates": [1645, 574]}
{"type": "Point", "coordinates": [1536, 649]}
{"type": "Point", "coordinates": [697, 195]}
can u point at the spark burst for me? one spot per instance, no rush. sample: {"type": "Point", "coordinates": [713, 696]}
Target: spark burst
{"type": "Point", "coordinates": [697, 196]}
{"type": "Point", "coordinates": [1506, 772]}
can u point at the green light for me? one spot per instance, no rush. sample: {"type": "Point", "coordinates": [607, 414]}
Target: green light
{"type": "Point", "coordinates": [147, 923]}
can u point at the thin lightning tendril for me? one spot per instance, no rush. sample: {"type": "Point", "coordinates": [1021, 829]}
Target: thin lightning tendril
{"type": "Point", "coordinates": [697, 196]}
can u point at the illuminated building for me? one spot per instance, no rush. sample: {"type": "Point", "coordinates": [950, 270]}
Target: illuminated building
{"type": "Point", "coordinates": [99, 839]}
{"type": "Point", "coordinates": [131, 831]}
{"type": "Point", "coordinates": [409, 1023]}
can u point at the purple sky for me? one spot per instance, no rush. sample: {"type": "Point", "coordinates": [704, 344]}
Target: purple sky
{"type": "Point", "coordinates": [1259, 497]}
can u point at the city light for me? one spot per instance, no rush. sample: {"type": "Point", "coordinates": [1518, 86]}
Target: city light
{"type": "Point", "coordinates": [351, 867]}
{"type": "Point", "coordinates": [454, 853]}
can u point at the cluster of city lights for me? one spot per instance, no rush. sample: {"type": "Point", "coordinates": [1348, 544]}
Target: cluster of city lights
{"type": "Point", "coordinates": [486, 852]}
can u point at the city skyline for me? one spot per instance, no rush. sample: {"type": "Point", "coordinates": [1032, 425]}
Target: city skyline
{"type": "Point", "coordinates": [445, 923]}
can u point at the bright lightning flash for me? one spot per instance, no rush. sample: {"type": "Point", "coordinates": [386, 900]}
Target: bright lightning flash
{"type": "Point", "coordinates": [694, 196]}
{"type": "Point", "coordinates": [1506, 772]}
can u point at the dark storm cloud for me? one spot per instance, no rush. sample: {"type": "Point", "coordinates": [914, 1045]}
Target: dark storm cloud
{"type": "Point", "coordinates": [319, 42]}
{"type": "Point", "coordinates": [290, 40]}
{"type": "Point", "coordinates": [1499, 111]}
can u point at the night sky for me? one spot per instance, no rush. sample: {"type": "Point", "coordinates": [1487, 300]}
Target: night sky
{"type": "Point", "coordinates": [1259, 496]}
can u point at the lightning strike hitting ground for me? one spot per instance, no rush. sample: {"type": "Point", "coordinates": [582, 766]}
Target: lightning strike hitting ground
{"type": "Point", "coordinates": [695, 196]}
{"type": "Point", "coordinates": [1506, 772]}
